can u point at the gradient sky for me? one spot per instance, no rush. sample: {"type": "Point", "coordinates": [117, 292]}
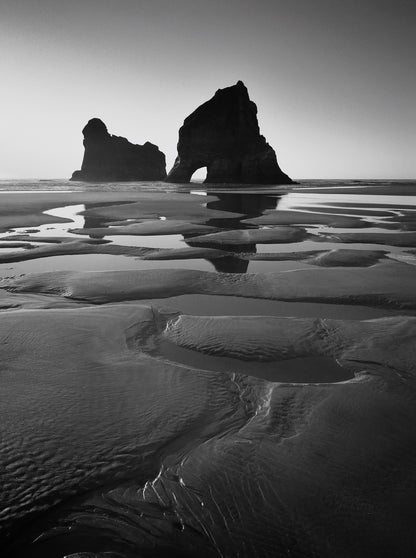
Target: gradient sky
{"type": "Point", "coordinates": [334, 80]}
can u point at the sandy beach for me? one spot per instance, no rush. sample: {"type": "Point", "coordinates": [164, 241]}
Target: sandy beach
{"type": "Point", "coordinates": [227, 372]}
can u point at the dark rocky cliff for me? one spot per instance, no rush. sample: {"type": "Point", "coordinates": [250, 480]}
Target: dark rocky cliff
{"type": "Point", "coordinates": [223, 135]}
{"type": "Point", "coordinates": [113, 158]}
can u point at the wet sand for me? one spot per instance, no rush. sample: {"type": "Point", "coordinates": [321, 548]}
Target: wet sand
{"type": "Point", "coordinates": [229, 373]}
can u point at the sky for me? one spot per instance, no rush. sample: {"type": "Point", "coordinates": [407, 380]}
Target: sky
{"type": "Point", "coordinates": [334, 81]}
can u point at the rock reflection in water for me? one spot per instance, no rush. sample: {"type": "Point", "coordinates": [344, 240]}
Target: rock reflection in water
{"type": "Point", "coordinates": [249, 205]}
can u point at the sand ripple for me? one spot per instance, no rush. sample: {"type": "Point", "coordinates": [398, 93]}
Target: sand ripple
{"type": "Point", "coordinates": [188, 462]}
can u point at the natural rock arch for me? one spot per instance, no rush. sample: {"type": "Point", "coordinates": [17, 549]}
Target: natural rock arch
{"type": "Point", "coordinates": [223, 135]}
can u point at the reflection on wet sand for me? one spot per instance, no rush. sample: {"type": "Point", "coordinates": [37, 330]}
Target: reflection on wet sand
{"type": "Point", "coordinates": [239, 213]}
{"type": "Point", "coordinates": [242, 386]}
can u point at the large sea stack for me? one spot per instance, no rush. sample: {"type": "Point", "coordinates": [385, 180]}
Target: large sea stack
{"type": "Point", "coordinates": [223, 135]}
{"type": "Point", "coordinates": [110, 158]}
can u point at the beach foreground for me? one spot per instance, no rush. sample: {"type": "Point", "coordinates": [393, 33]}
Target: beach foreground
{"type": "Point", "coordinates": [222, 373]}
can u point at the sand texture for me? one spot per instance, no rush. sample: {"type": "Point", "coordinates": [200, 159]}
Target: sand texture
{"type": "Point", "coordinates": [214, 374]}
{"type": "Point", "coordinates": [373, 285]}
{"type": "Point", "coordinates": [192, 447]}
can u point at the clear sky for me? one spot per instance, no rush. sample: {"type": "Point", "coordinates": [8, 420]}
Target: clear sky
{"type": "Point", "coordinates": [334, 80]}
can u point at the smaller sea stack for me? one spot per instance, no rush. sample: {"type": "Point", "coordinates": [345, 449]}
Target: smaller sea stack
{"type": "Point", "coordinates": [110, 158]}
{"type": "Point", "coordinates": [223, 135]}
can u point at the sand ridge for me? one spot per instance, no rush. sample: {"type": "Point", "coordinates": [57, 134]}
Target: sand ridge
{"type": "Point", "coordinates": [372, 285]}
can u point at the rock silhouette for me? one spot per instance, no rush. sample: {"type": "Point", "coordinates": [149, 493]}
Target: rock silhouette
{"type": "Point", "coordinates": [223, 135]}
{"type": "Point", "coordinates": [109, 157]}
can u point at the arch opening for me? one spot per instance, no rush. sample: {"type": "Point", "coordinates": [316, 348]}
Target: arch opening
{"type": "Point", "coordinates": [199, 175]}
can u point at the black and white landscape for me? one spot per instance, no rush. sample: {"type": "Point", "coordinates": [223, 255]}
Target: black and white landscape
{"type": "Point", "coordinates": [203, 354]}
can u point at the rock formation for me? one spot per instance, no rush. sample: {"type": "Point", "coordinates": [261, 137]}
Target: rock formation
{"type": "Point", "coordinates": [223, 135]}
{"type": "Point", "coordinates": [109, 158]}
